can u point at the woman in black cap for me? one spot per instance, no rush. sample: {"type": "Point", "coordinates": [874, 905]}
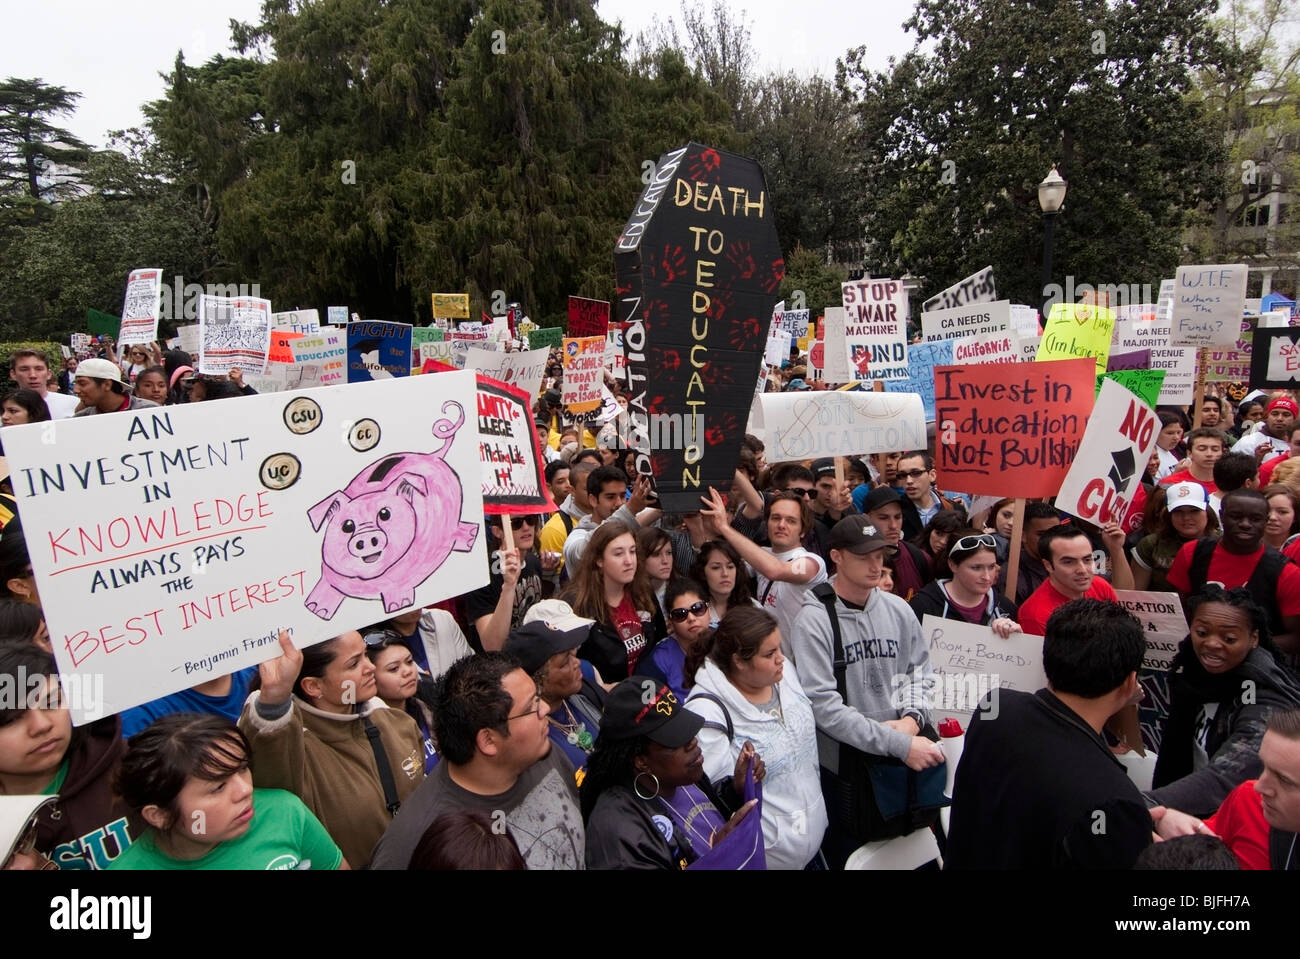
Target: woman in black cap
{"type": "Point", "coordinates": [646, 802]}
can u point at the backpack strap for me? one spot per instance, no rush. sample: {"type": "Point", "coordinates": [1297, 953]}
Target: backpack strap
{"type": "Point", "coordinates": [1198, 571]}
{"type": "Point", "coordinates": [729, 728]}
{"type": "Point", "coordinates": [383, 767]}
{"type": "Point", "coordinates": [567, 520]}
{"type": "Point", "coordinates": [826, 593]}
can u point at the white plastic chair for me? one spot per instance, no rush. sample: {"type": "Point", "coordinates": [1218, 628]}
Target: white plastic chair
{"type": "Point", "coordinates": [904, 852]}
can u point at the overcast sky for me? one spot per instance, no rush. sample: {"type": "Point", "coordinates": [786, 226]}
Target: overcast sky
{"type": "Point", "coordinates": [113, 53]}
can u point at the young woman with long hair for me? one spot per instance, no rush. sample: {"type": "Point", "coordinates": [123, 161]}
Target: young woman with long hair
{"type": "Point", "coordinates": [720, 570]}
{"type": "Point", "coordinates": [611, 587]}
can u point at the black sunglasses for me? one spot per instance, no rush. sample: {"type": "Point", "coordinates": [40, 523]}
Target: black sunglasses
{"type": "Point", "coordinates": [800, 491]}
{"type": "Point", "coordinates": [695, 609]}
{"type": "Point", "coordinates": [517, 522]}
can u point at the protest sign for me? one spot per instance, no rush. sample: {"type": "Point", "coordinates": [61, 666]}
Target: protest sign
{"type": "Point", "coordinates": [778, 348]}
{"type": "Point", "coordinates": [233, 332]}
{"type": "Point", "coordinates": [274, 380]}
{"type": "Point", "coordinates": [176, 544]}
{"type": "Point", "coordinates": [1164, 626]}
{"type": "Point", "coordinates": [551, 337]}
{"type": "Point", "coordinates": [1232, 364]}
{"type": "Point", "coordinates": [1208, 303]}
{"type": "Point", "coordinates": [976, 288]}
{"type": "Point", "coordinates": [463, 340]}
{"type": "Point", "coordinates": [1133, 360]}
{"type": "Point", "coordinates": [697, 266]}
{"type": "Point", "coordinates": [875, 328]}
{"type": "Point", "coordinates": [189, 337]}
{"type": "Point", "coordinates": [1112, 458]}
{"type": "Point", "coordinates": [968, 662]}
{"type": "Point", "coordinates": [100, 323]}
{"type": "Point", "coordinates": [1275, 362]}
{"type": "Point", "coordinates": [829, 355]}
{"type": "Point", "coordinates": [1024, 320]}
{"type": "Point", "coordinates": [336, 315]}
{"type": "Point", "coordinates": [1178, 362]}
{"type": "Point", "coordinates": [584, 364]}
{"type": "Point", "coordinates": [512, 468]}
{"type": "Point", "coordinates": [140, 307]}
{"type": "Point", "coordinates": [1029, 348]}
{"type": "Point", "coordinates": [588, 317]}
{"type": "Point", "coordinates": [802, 425]}
{"type": "Point", "coordinates": [1077, 329]}
{"type": "Point", "coordinates": [281, 343]}
{"type": "Point", "coordinates": [440, 351]}
{"type": "Point", "coordinates": [378, 350]}
{"type": "Point", "coordinates": [1144, 384]}
{"type": "Point", "coordinates": [297, 321]}
{"type": "Point", "coordinates": [451, 306]}
{"type": "Point", "coordinates": [327, 351]}
{"type": "Point", "coordinates": [524, 371]}
{"type": "Point", "coordinates": [922, 358]}
{"type": "Point", "coordinates": [794, 322]}
{"type": "Point", "coordinates": [615, 355]}
{"type": "Point", "coordinates": [986, 348]}
{"type": "Point", "coordinates": [1010, 428]}
{"type": "Point", "coordinates": [963, 320]}
{"type": "Point", "coordinates": [421, 335]}
{"type": "Point", "coordinates": [80, 342]}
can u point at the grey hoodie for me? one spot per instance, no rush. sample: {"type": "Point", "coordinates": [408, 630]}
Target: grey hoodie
{"type": "Point", "coordinates": [881, 642]}
{"type": "Point", "coordinates": [576, 543]}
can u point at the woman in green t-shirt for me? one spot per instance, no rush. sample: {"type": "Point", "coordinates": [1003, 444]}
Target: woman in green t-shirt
{"type": "Point", "coordinates": [187, 777]}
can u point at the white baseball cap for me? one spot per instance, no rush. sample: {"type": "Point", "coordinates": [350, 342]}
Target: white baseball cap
{"type": "Point", "coordinates": [1186, 494]}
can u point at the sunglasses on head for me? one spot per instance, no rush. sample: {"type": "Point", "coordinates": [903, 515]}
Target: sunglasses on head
{"type": "Point", "coordinates": [679, 614]}
{"type": "Point", "coordinates": [382, 637]}
{"type": "Point", "coordinates": [967, 543]}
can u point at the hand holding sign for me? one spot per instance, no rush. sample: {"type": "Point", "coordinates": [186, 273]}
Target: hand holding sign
{"type": "Point", "coordinates": [279, 674]}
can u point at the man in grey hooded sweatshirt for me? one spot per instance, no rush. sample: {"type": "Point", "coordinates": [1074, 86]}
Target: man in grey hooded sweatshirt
{"type": "Point", "coordinates": [886, 665]}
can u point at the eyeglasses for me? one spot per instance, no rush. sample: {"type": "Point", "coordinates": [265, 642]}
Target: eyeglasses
{"type": "Point", "coordinates": [534, 708]}
{"type": "Point", "coordinates": [382, 637]}
{"type": "Point", "coordinates": [974, 542]}
{"type": "Point", "coordinates": [911, 474]}
{"type": "Point", "coordinates": [800, 491]}
{"type": "Point", "coordinates": [695, 609]}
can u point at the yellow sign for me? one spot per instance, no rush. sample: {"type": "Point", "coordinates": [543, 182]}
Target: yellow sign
{"type": "Point", "coordinates": [1077, 330]}
{"type": "Point", "coordinates": [451, 306]}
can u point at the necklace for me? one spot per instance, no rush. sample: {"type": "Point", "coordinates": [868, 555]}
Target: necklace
{"type": "Point", "coordinates": [574, 731]}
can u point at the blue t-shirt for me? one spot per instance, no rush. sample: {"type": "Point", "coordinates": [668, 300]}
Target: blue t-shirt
{"type": "Point", "coordinates": [230, 705]}
{"type": "Point", "coordinates": [668, 663]}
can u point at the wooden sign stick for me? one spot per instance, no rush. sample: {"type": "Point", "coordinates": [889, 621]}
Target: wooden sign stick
{"type": "Point", "coordinates": [1013, 554]}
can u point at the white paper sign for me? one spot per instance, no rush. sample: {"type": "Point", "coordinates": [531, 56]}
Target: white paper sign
{"type": "Point", "coordinates": [1178, 362]}
{"type": "Point", "coordinates": [1001, 347]}
{"type": "Point", "coordinates": [803, 425]}
{"type": "Point", "coordinates": [875, 328]}
{"type": "Point", "coordinates": [171, 545]}
{"type": "Point", "coordinates": [835, 354]}
{"type": "Point", "coordinates": [1163, 624]}
{"type": "Point", "coordinates": [1208, 304]}
{"type": "Point", "coordinates": [233, 332]}
{"type": "Point", "coordinates": [1024, 320]}
{"type": "Point", "coordinates": [976, 288]}
{"type": "Point", "coordinates": [297, 321]}
{"type": "Point", "coordinates": [327, 352]}
{"type": "Point", "coordinates": [524, 370]}
{"type": "Point", "coordinates": [1110, 462]}
{"type": "Point", "coordinates": [140, 307]}
{"type": "Point", "coordinates": [189, 337]}
{"type": "Point", "coordinates": [967, 662]}
{"type": "Point", "coordinates": [778, 348]}
{"type": "Point", "coordinates": [336, 315]}
{"type": "Point", "coordinates": [974, 319]}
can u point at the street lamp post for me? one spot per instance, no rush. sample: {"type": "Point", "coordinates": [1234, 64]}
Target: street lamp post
{"type": "Point", "coordinates": [1051, 195]}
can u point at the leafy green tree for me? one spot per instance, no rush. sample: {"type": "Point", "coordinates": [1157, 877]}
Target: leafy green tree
{"type": "Point", "coordinates": [30, 145]}
{"type": "Point", "coordinates": [958, 133]}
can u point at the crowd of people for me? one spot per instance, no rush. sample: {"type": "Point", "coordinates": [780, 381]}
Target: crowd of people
{"type": "Point", "coordinates": [746, 686]}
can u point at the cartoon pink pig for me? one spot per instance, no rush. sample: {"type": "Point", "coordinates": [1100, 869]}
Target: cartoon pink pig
{"type": "Point", "coordinates": [392, 528]}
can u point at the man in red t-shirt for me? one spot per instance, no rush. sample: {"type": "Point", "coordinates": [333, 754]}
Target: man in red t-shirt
{"type": "Point", "coordinates": [1260, 818]}
{"type": "Point", "coordinates": [1067, 554]}
{"type": "Point", "coordinates": [1266, 468]}
{"type": "Point", "coordinates": [1235, 559]}
{"type": "Point", "coordinates": [1204, 447]}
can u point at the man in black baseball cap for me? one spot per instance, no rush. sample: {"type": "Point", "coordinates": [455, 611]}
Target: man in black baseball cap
{"type": "Point", "coordinates": [547, 647]}
{"type": "Point", "coordinates": [884, 509]}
